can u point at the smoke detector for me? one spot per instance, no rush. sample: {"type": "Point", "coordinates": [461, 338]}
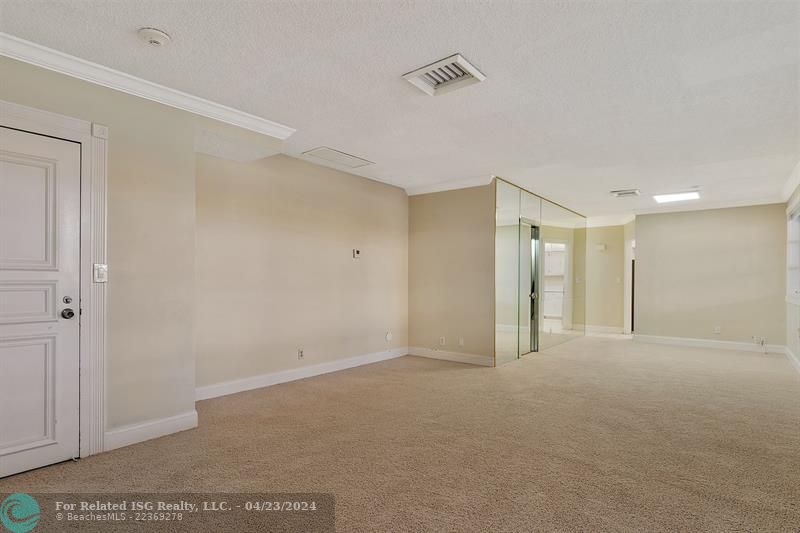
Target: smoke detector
{"type": "Point", "coordinates": [445, 75]}
{"type": "Point", "coordinates": [625, 193]}
{"type": "Point", "coordinates": [154, 36]}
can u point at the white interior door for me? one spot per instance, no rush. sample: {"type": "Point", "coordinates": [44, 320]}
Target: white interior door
{"type": "Point", "coordinates": [39, 279]}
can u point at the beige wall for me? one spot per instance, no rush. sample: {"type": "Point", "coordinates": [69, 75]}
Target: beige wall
{"type": "Point", "coordinates": [605, 274]}
{"type": "Point", "coordinates": [702, 269]}
{"type": "Point", "coordinates": [275, 270]}
{"type": "Point", "coordinates": [451, 270]}
{"type": "Point", "coordinates": [151, 251]}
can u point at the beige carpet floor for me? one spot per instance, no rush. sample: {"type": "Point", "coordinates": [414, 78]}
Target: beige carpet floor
{"type": "Point", "coordinates": [592, 435]}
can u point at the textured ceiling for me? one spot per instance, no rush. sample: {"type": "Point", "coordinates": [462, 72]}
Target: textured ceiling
{"type": "Point", "coordinates": [580, 97]}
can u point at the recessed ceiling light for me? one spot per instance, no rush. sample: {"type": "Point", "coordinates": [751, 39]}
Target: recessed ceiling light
{"type": "Point", "coordinates": [676, 197]}
{"type": "Point", "coordinates": [154, 36]}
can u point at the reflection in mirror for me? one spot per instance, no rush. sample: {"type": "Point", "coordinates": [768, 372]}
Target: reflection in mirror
{"type": "Point", "coordinates": [563, 240]}
{"type": "Point", "coordinates": [540, 258]}
{"type": "Point", "coordinates": [506, 272]}
{"type": "Point", "coordinates": [529, 222]}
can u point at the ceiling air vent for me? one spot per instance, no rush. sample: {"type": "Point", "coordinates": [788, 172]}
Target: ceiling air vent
{"type": "Point", "coordinates": [335, 156]}
{"type": "Point", "coordinates": [625, 193]}
{"type": "Point", "coordinates": [445, 75]}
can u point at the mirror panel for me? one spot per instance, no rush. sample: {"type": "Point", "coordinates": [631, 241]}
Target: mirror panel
{"type": "Point", "coordinates": [507, 203]}
{"type": "Point", "coordinates": [563, 245]}
{"type": "Point", "coordinates": [540, 266]}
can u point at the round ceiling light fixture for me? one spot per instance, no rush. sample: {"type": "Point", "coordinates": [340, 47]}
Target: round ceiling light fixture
{"type": "Point", "coordinates": [154, 36]}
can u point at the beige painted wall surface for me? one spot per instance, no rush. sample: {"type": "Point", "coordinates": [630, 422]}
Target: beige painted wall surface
{"type": "Point", "coordinates": [721, 267]}
{"type": "Point", "coordinates": [605, 274]}
{"type": "Point", "coordinates": [451, 265]}
{"type": "Point", "coordinates": [151, 224]}
{"type": "Point", "coordinates": [151, 220]}
{"type": "Point", "coordinates": [275, 270]}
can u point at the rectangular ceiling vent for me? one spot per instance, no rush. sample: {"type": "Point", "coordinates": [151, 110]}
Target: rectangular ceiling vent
{"type": "Point", "coordinates": [335, 156]}
{"type": "Point", "coordinates": [625, 193]}
{"type": "Point", "coordinates": [445, 75]}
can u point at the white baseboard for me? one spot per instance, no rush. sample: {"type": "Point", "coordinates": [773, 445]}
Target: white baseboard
{"type": "Point", "coordinates": [127, 435]}
{"type": "Point", "coordinates": [292, 374]}
{"type": "Point", "coordinates": [471, 359]}
{"type": "Point", "coordinates": [709, 343]}
{"type": "Point", "coordinates": [793, 358]}
{"type": "Point", "coordinates": [590, 329]}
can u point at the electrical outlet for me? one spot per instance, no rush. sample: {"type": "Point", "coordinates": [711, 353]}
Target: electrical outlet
{"type": "Point", "coordinates": [356, 253]}
{"type": "Point", "coordinates": [717, 330]}
{"type": "Point", "coordinates": [461, 341]}
{"type": "Point", "coordinates": [389, 336]}
{"type": "Point", "coordinates": [442, 341]}
{"type": "Point", "coordinates": [299, 353]}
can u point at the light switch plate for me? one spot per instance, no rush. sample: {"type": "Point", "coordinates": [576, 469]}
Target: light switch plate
{"type": "Point", "coordinates": [99, 130]}
{"type": "Point", "coordinates": [100, 273]}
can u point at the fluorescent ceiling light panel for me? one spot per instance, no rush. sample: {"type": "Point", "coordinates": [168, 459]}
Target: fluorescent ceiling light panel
{"type": "Point", "coordinates": [676, 197]}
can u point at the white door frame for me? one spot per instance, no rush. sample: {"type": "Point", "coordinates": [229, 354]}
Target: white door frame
{"type": "Point", "coordinates": [566, 310]}
{"type": "Point", "coordinates": [93, 304]}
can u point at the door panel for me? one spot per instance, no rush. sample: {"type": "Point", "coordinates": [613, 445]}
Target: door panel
{"type": "Point", "coordinates": [27, 202]}
{"type": "Point", "coordinates": [39, 268]}
{"type": "Point", "coordinates": [26, 302]}
{"type": "Point", "coordinates": [28, 370]}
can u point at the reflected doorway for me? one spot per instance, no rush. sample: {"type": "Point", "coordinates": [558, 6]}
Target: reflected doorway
{"type": "Point", "coordinates": [556, 311]}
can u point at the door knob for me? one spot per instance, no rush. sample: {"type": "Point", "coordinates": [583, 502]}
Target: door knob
{"type": "Point", "coordinates": [533, 296]}
{"type": "Point", "coordinates": [67, 313]}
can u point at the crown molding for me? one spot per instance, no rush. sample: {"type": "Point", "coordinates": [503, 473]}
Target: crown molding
{"type": "Point", "coordinates": [450, 185]}
{"type": "Point", "coordinates": [54, 60]}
